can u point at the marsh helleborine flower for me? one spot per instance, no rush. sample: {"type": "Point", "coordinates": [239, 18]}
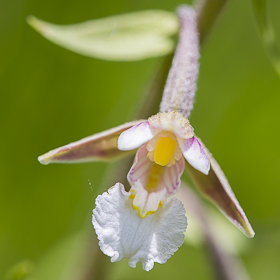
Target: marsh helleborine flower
{"type": "Point", "coordinates": [164, 140]}
{"type": "Point", "coordinates": [142, 225]}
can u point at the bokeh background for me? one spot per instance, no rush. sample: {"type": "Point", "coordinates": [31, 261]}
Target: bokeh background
{"type": "Point", "coordinates": [51, 96]}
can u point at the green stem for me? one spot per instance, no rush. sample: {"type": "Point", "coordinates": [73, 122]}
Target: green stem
{"type": "Point", "coordinates": [207, 13]}
{"type": "Point", "coordinates": [225, 266]}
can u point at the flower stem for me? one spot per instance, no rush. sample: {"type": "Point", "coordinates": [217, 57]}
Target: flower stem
{"type": "Point", "coordinates": [180, 88]}
{"type": "Point", "coordinates": [225, 266]}
{"type": "Point", "coordinates": [179, 91]}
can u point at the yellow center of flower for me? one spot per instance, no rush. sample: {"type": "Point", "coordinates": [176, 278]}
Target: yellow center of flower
{"type": "Point", "coordinates": [164, 150]}
{"type": "Point", "coordinates": [154, 176]}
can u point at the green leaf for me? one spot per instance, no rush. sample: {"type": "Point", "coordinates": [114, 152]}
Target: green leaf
{"type": "Point", "coordinates": [133, 36]}
{"type": "Point", "coordinates": [266, 32]}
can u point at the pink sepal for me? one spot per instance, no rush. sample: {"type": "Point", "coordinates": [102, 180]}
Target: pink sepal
{"type": "Point", "coordinates": [102, 146]}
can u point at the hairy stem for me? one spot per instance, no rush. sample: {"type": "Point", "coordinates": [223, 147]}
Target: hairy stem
{"type": "Point", "coordinates": [179, 91]}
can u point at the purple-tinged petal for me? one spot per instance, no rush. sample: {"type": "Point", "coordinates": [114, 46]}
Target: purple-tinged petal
{"type": "Point", "coordinates": [141, 168]}
{"type": "Point", "coordinates": [171, 176]}
{"type": "Point", "coordinates": [136, 136]}
{"type": "Point", "coordinates": [152, 183]}
{"type": "Point", "coordinates": [193, 152]}
{"type": "Point", "coordinates": [216, 188]}
{"type": "Point", "coordinates": [102, 146]}
{"type": "Point", "coordinates": [165, 182]}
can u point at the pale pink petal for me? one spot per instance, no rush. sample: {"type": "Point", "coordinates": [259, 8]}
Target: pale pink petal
{"type": "Point", "coordinates": [147, 201]}
{"type": "Point", "coordinates": [98, 147]}
{"type": "Point", "coordinates": [193, 152]}
{"type": "Point", "coordinates": [136, 136]}
{"type": "Point", "coordinates": [141, 167]}
{"type": "Point", "coordinates": [216, 188]}
{"type": "Point", "coordinates": [171, 177]}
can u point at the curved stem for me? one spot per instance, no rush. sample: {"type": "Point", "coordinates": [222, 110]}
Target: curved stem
{"type": "Point", "coordinates": [225, 266]}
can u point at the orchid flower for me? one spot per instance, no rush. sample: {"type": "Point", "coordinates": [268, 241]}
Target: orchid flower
{"type": "Point", "coordinates": [142, 224]}
{"type": "Point", "coordinates": [164, 140]}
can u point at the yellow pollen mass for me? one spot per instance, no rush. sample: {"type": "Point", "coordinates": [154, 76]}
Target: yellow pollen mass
{"type": "Point", "coordinates": [164, 150]}
{"type": "Point", "coordinates": [154, 176]}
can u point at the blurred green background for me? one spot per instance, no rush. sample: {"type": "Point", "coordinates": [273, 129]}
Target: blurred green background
{"type": "Point", "coordinates": [51, 96]}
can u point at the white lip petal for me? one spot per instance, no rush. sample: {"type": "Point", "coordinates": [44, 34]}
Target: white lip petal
{"type": "Point", "coordinates": [123, 234]}
{"type": "Point", "coordinates": [136, 136]}
{"type": "Point", "coordinates": [193, 152]}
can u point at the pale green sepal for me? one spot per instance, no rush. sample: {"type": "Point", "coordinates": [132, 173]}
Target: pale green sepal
{"type": "Point", "coordinates": [125, 37]}
{"type": "Point", "coordinates": [102, 146]}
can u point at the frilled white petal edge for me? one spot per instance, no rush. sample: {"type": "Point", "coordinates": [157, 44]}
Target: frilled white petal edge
{"type": "Point", "coordinates": [123, 234]}
{"type": "Point", "coordinates": [136, 136]}
{"type": "Point", "coordinates": [193, 152]}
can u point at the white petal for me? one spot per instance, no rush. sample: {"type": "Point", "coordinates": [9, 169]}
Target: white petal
{"type": "Point", "coordinates": [123, 234]}
{"type": "Point", "coordinates": [136, 136]}
{"type": "Point", "coordinates": [193, 152]}
{"type": "Point", "coordinates": [145, 202]}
